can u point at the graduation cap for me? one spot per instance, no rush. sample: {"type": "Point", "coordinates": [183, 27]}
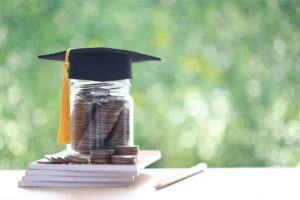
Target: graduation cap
{"type": "Point", "coordinates": [99, 64]}
{"type": "Point", "coordinates": [95, 64]}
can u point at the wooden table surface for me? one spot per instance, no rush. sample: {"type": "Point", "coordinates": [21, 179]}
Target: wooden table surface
{"type": "Point", "coordinates": [214, 183]}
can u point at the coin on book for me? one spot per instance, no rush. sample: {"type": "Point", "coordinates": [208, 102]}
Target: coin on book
{"type": "Point", "coordinates": [99, 156]}
{"type": "Point", "coordinates": [60, 159]}
{"type": "Point", "coordinates": [127, 150]}
{"type": "Point", "coordinates": [102, 152]}
{"type": "Point", "coordinates": [123, 160]}
{"type": "Point", "coordinates": [56, 159]}
{"type": "Point", "coordinates": [45, 161]}
{"type": "Point", "coordinates": [76, 159]}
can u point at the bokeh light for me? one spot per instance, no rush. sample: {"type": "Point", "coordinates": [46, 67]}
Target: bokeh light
{"type": "Point", "coordinates": [226, 92]}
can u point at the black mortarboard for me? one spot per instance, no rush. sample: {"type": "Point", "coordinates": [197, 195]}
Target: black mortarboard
{"type": "Point", "coordinates": [100, 64]}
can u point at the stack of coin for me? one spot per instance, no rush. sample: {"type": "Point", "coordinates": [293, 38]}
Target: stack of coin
{"type": "Point", "coordinates": [104, 118]}
{"type": "Point", "coordinates": [120, 134]}
{"type": "Point", "coordinates": [123, 160]}
{"type": "Point", "coordinates": [127, 150]}
{"type": "Point", "coordinates": [98, 119]}
{"type": "Point", "coordinates": [89, 135]}
{"type": "Point", "coordinates": [82, 112]}
{"type": "Point", "coordinates": [88, 139]}
{"type": "Point", "coordinates": [76, 159]}
{"type": "Point", "coordinates": [101, 156]}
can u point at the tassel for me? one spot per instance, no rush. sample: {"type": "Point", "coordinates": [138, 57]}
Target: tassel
{"type": "Point", "coordinates": [64, 132]}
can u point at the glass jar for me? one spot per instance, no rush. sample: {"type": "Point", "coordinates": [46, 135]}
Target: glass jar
{"type": "Point", "coordinates": [101, 115]}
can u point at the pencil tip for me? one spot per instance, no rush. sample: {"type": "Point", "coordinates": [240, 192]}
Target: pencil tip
{"type": "Point", "coordinates": [157, 187]}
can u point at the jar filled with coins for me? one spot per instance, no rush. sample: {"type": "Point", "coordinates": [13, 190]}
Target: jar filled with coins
{"type": "Point", "coordinates": [101, 115]}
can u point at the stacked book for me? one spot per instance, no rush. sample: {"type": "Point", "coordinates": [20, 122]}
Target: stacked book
{"type": "Point", "coordinates": [39, 174]}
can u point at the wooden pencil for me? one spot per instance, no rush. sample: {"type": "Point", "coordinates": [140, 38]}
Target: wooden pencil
{"type": "Point", "coordinates": [186, 174]}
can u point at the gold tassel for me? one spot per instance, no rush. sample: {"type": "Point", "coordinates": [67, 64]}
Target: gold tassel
{"type": "Point", "coordinates": [64, 132]}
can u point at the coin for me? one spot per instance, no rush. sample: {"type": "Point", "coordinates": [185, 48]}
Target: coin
{"type": "Point", "coordinates": [55, 159]}
{"type": "Point", "coordinates": [121, 159]}
{"type": "Point", "coordinates": [100, 156]}
{"type": "Point", "coordinates": [59, 159]}
{"type": "Point", "coordinates": [81, 115]}
{"type": "Point", "coordinates": [127, 150]}
{"type": "Point", "coordinates": [46, 161]}
{"type": "Point", "coordinates": [76, 159]}
{"type": "Point", "coordinates": [103, 152]}
{"type": "Point", "coordinates": [105, 115]}
{"type": "Point", "coordinates": [100, 161]}
{"type": "Point", "coordinates": [99, 120]}
{"type": "Point", "coordinates": [48, 157]}
{"type": "Point", "coordinates": [120, 133]}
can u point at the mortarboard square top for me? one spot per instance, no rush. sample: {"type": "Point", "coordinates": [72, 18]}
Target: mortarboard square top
{"type": "Point", "coordinates": [99, 63]}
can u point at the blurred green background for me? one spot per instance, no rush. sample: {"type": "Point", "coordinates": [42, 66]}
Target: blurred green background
{"type": "Point", "coordinates": [226, 92]}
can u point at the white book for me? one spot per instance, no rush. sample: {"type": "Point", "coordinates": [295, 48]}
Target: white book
{"type": "Point", "coordinates": [69, 184]}
{"type": "Point", "coordinates": [86, 175]}
{"type": "Point", "coordinates": [145, 158]}
{"type": "Point", "coordinates": [78, 179]}
{"type": "Point", "coordinates": [40, 172]}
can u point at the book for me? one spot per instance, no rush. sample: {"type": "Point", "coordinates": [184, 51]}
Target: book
{"type": "Point", "coordinates": [69, 184]}
{"type": "Point", "coordinates": [40, 172]}
{"type": "Point", "coordinates": [144, 158]}
{"type": "Point", "coordinates": [86, 175]}
{"type": "Point", "coordinates": [78, 179]}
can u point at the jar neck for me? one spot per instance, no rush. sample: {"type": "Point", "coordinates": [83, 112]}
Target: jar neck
{"type": "Point", "coordinates": [118, 87]}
